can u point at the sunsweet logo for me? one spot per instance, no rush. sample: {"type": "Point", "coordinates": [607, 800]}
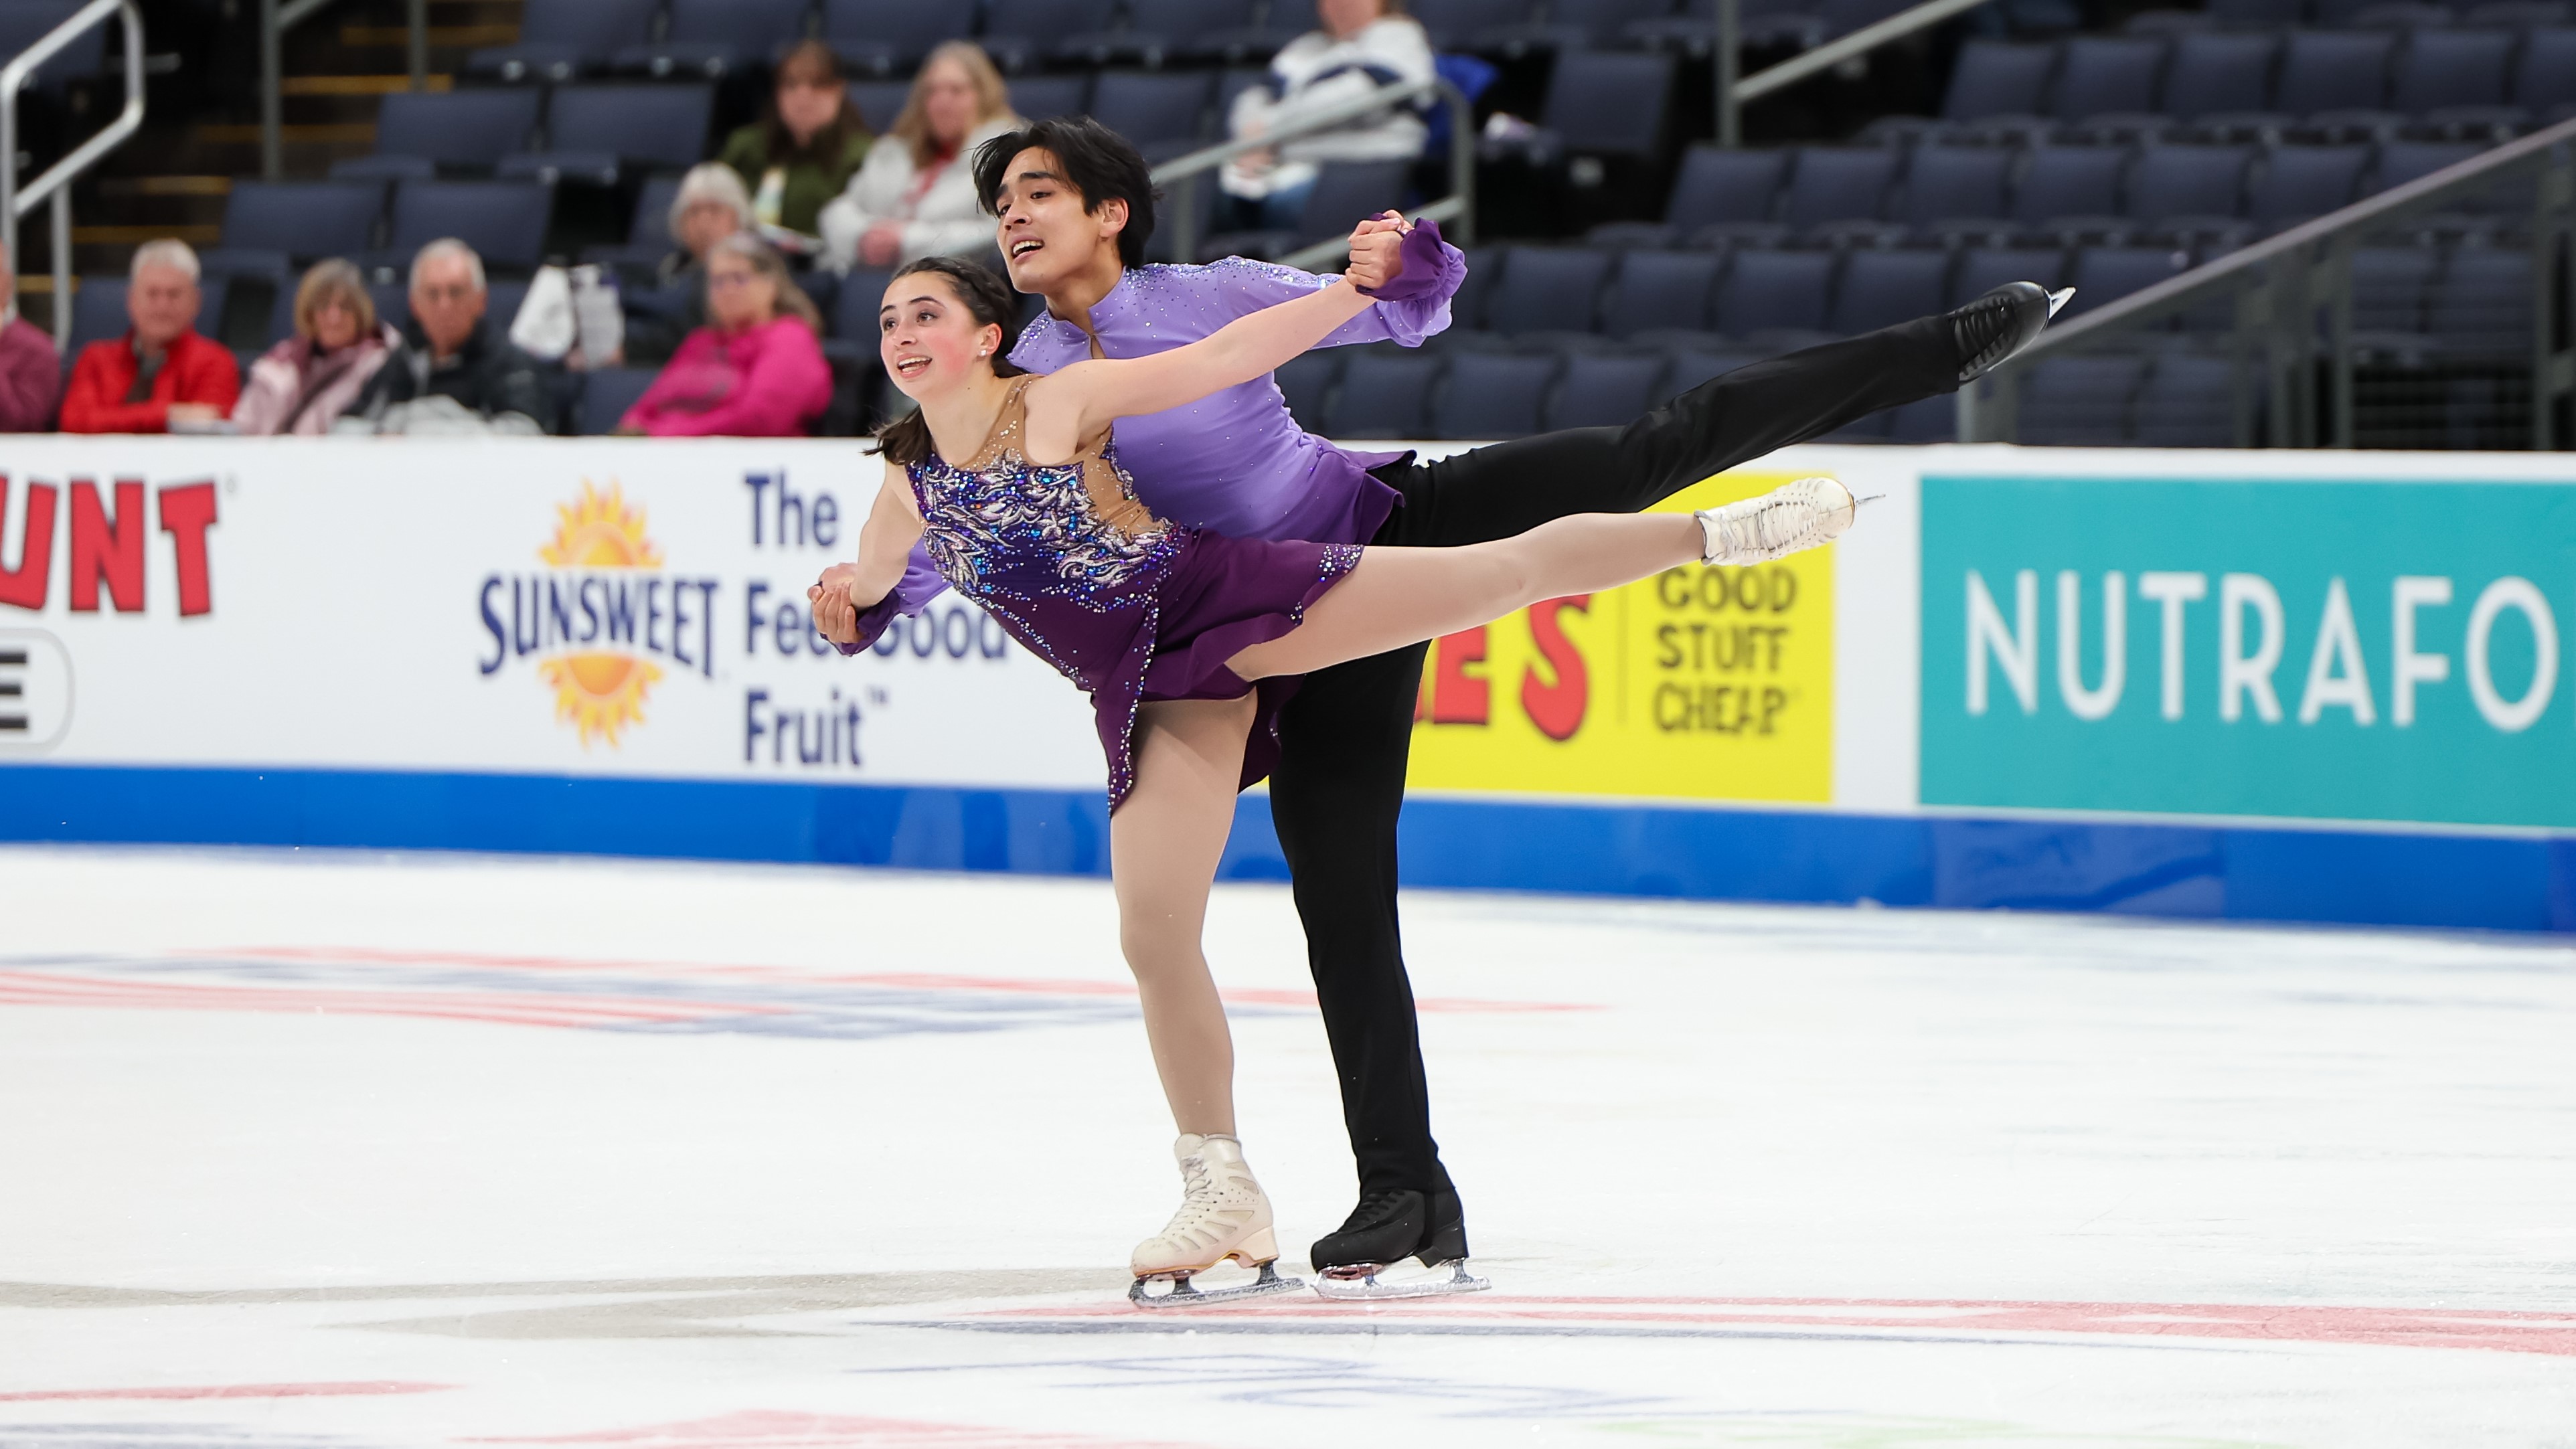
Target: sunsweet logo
{"type": "Point", "coordinates": [598, 621]}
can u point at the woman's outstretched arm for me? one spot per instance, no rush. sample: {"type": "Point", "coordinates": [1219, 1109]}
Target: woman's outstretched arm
{"type": "Point", "coordinates": [1084, 399]}
{"type": "Point", "coordinates": [847, 591]}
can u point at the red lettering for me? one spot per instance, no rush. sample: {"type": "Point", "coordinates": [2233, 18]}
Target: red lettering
{"type": "Point", "coordinates": [24, 586]}
{"type": "Point", "coordinates": [107, 550]}
{"type": "Point", "coordinates": [1456, 696]}
{"type": "Point", "coordinates": [187, 511]}
{"type": "Point", "coordinates": [1557, 709]}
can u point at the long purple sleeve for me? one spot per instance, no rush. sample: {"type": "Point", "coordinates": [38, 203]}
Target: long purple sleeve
{"type": "Point", "coordinates": [921, 584]}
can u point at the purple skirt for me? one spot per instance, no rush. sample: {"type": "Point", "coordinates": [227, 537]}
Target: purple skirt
{"type": "Point", "coordinates": [1219, 596]}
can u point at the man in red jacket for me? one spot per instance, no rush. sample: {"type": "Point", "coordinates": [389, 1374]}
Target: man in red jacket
{"type": "Point", "coordinates": [162, 371]}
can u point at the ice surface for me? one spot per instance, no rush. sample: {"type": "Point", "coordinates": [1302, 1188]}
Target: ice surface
{"type": "Point", "coordinates": [355, 1151]}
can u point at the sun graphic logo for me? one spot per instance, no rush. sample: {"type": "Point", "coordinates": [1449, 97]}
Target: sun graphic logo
{"type": "Point", "coordinates": [601, 616]}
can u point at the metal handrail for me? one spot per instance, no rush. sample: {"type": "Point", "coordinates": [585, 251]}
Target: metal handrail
{"type": "Point", "coordinates": [55, 185]}
{"type": "Point", "coordinates": [2291, 261]}
{"type": "Point", "coordinates": [1732, 93]}
{"type": "Point", "coordinates": [276, 17]}
{"type": "Point", "coordinates": [1458, 207]}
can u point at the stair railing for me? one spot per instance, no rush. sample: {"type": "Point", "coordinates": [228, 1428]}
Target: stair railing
{"type": "Point", "coordinates": [55, 186]}
{"type": "Point", "coordinates": [1458, 207]}
{"type": "Point", "coordinates": [276, 17]}
{"type": "Point", "coordinates": [1734, 93]}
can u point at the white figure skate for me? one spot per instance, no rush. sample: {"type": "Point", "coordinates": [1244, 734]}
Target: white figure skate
{"type": "Point", "coordinates": [1789, 519]}
{"type": "Point", "coordinates": [1223, 1214]}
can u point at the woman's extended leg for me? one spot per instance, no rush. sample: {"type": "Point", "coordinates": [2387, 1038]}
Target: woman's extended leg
{"type": "Point", "coordinates": [1163, 844]}
{"type": "Point", "coordinates": [1400, 596]}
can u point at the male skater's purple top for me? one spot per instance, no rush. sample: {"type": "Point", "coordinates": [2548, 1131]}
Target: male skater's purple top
{"type": "Point", "coordinates": [1234, 462]}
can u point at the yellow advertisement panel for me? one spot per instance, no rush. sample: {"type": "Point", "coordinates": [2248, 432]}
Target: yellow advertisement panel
{"type": "Point", "coordinates": [1699, 683]}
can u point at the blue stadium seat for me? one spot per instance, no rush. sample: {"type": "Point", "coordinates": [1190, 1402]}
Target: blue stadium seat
{"type": "Point", "coordinates": [714, 38]}
{"type": "Point", "coordinates": [1158, 31]}
{"type": "Point", "coordinates": [2389, 287]}
{"type": "Point", "coordinates": [1838, 184]}
{"type": "Point", "coordinates": [1045, 97]}
{"type": "Point", "coordinates": [2481, 304]}
{"type": "Point", "coordinates": [504, 221]}
{"type": "Point", "coordinates": [304, 219]}
{"type": "Point", "coordinates": [98, 311]}
{"type": "Point", "coordinates": [1492, 395]}
{"type": "Point", "coordinates": [606, 394]}
{"type": "Point", "coordinates": [596, 131]}
{"type": "Point", "coordinates": [2300, 182]}
{"type": "Point", "coordinates": [1842, 17]}
{"type": "Point", "coordinates": [2444, 69]}
{"type": "Point", "coordinates": [879, 102]}
{"type": "Point", "coordinates": [1659, 290]}
{"type": "Point", "coordinates": [2063, 182]}
{"type": "Point", "coordinates": [1306, 382]}
{"type": "Point", "coordinates": [1767, 291]}
{"type": "Point", "coordinates": [1349, 192]}
{"type": "Point", "coordinates": [853, 317]}
{"type": "Point", "coordinates": [1598, 24]}
{"type": "Point", "coordinates": [2219, 74]}
{"type": "Point", "coordinates": [1152, 109]}
{"type": "Point", "coordinates": [2404, 161]}
{"type": "Point", "coordinates": [1385, 393]}
{"type": "Point", "coordinates": [2188, 401]}
{"type": "Point", "coordinates": [2326, 72]}
{"type": "Point", "coordinates": [1982, 269]}
{"type": "Point", "coordinates": [1484, 268]}
{"type": "Point", "coordinates": [470, 128]}
{"type": "Point", "coordinates": [2256, 14]}
{"type": "Point", "coordinates": [2108, 74]}
{"type": "Point", "coordinates": [648, 234]}
{"type": "Point", "coordinates": [889, 37]}
{"type": "Point", "coordinates": [1933, 419]}
{"type": "Point", "coordinates": [1882, 288]}
{"type": "Point", "coordinates": [1457, 25]}
{"type": "Point", "coordinates": [2544, 77]}
{"type": "Point", "coordinates": [1998, 78]}
{"type": "Point", "coordinates": [1949, 184]}
{"type": "Point", "coordinates": [2518, 14]}
{"type": "Point", "coordinates": [1547, 289]}
{"type": "Point", "coordinates": [1690, 366]}
{"type": "Point", "coordinates": [561, 39]}
{"type": "Point", "coordinates": [24, 22]}
{"type": "Point", "coordinates": [1603, 390]}
{"type": "Point", "coordinates": [2106, 274]}
{"type": "Point", "coordinates": [1609, 103]}
{"type": "Point", "coordinates": [1716, 187]}
{"type": "Point", "coordinates": [1022, 33]}
{"type": "Point", "coordinates": [2079, 401]}
{"type": "Point", "coordinates": [2172, 184]}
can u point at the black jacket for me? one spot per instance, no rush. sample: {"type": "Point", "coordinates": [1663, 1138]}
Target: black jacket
{"type": "Point", "coordinates": [489, 377]}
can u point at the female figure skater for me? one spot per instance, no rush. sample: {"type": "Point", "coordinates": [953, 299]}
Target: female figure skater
{"type": "Point", "coordinates": [1187, 640]}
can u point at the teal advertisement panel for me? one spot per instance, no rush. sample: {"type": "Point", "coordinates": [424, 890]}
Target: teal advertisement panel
{"type": "Point", "coordinates": [2377, 651]}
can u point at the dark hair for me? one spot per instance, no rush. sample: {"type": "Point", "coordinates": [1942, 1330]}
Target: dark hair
{"type": "Point", "coordinates": [990, 301]}
{"type": "Point", "coordinates": [814, 61]}
{"type": "Point", "coordinates": [1096, 161]}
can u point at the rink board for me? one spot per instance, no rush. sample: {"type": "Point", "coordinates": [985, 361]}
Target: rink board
{"type": "Point", "coordinates": [2335, 691]}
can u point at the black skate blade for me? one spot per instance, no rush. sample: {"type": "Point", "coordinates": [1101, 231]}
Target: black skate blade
{"type": "Point", "coordinates": [1185, 1294]}
{"type": "Point", "coordinates": [1362, 1280]}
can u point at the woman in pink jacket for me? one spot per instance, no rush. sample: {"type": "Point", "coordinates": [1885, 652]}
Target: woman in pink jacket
{"type": "Point", "coordinates": [756, 370]}
{"type": "Point", "coordinates": [303, 384]}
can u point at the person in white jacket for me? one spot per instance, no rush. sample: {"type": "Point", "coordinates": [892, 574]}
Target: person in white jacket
{"type": "Point", "coordinates": [1364, 45]}
{"type": "Point", "coordinates": [915, 194]}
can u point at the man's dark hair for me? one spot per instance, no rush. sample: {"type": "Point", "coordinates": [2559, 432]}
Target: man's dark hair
{"type": "Point", "coordinates": [1096, 161]}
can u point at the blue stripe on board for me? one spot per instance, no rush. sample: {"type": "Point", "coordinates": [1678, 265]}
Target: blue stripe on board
{"type": "Point", "coordinates": [2187, 871]}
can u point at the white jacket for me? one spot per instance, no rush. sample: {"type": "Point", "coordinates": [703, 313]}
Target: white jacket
{"type": "Point", "coordinates": [948, 219]}
{"type": "Point", "coordinates": [1316, 71]}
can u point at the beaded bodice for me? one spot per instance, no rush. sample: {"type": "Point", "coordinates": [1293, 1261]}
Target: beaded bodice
{"type": "Point", "coordinates": [1002, 527]}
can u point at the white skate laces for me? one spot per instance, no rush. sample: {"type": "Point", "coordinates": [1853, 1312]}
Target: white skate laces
{"type": "Point", "coordinates": [1223, 1214]}
{"type": "Point", "coordinates": [1789, 519]}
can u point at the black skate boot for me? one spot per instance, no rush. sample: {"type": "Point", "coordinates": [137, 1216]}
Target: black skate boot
{"type": "Point", "coordinates": [1386, 1228]}
{"type": "Point", "coordinates": [2001, 323]}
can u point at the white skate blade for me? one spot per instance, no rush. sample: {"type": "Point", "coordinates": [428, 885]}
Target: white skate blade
{"type": "Point", "coordinates": [1185, 1294]}
{"type": "Point", "coordinates": [1365, 1280]}
{"type": "Point", "coordinates": [2058, 299]}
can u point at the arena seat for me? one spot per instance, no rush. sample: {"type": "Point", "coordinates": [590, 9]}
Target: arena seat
{"type": "Point", "coordinates": [303, 219]}
{"type": "Point", "coordinates": [648, 235]}
{"type": "Point", "coordinates": [596, 131]}
{"type": "Point", "coordinates": [1980, 270]}
{"type": "Point", "coordinates": [2219, 74]}
{"type": "Point", "coordinates": [1153, 32]}
{"type": "Point", "coordinates": [1306, 382]}
{"type": "Point", "coordinates": [2480, 306]}
{"type": "Point", "coordinates": [419, 131]}
{"type": "Point", "coordinates": [1044, 97]}
{"type": "Point", "coordinates": [1459, 24]}
{"type": "Point", "coordinates": [24, 22]}
{"type": "Point", "coordinates": [1768, 291]}
{"type": "Point", "coordinates": [2256, 14]}
{"type": "Point", "coordinates": [1019, 34]}
{"type": "Point", "coordinates": [714, 38]}
{"type": "Point", "coordinates": [890, 37]}
{"type": "Point", "coordinates": [1829, 184]}
{"type": "Point", "coordinates": [1491, 395]}
{"type": "Point", "coordinates": [2389, 286]}
{"type": "Point", "coordinates": [504, 221]}
{"type": "Point", "coordinates": [2187, 401]}
{"type": "Point", "coordinates": [1948, 185]}
{"type": "Point", "coordinates": [1609, 103]}
{"type": "Point", "coordinates": [1998, 78]}
{"type": "Point", "coordinates": [2296, 183]}
{"type": "Point", "coordinates": [1153, 109]}
{"type": "Point", "coordinates": [2449, 69]}
{"type": "Point", "coordinates": [1548, 289]}
{"type": "Point", "coordinates": [1656, 289]}
{"type": "Point", "coordinates": [98, 311]}
{"type": "Point", "coordinates": [853, 317]}
{"type": "Point", "coordinates": [1882, 288]}
{"type": "Point", "coordinates": [2107, 74]}
{"type": "Point", "coordinates": [2171, 185]}
{"type": "Point", "coordinates": [2327, 72]}
{"type": "Point", "coordinates": [2106, 274]}
{"type": "Point", "coordinates": [879, 102]}
{"type": "Point", "coordinates": [1572, 25]}
{"type": "Point", "coordinates": [561, 39]}
{"type": "Point", "coordinates": [2061, 183]}
{"type": "Point", "coordinates": [1715, 187]}
{"type": "Point", "coordinates": [1933, 419]}
{"type": "Point", "coordinates": [606, 394]}
{"type": "Point", "coordinates": [1385, 393]}
{"type": "Point", "coordinates": [1602, 390]}
{"type": "Point", "coordinates": [2079, 401]}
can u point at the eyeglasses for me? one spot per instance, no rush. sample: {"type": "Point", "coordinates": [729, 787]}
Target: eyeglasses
{"type": "Point", "coordinates": [457, 293]}
{"type": "Point", "coordinates": [721, 281]}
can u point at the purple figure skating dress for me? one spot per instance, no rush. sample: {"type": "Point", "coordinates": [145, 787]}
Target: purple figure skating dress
{"type": "Point", "coordinates": [1125, 605]}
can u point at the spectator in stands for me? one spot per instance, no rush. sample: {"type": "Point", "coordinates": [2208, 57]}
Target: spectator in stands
{"type": "Point", "coordinates": [916, 194]}
{"type": "Point", "coordinates": [162, 372]}
{"type": "Point", "coordinates": [756, 370]}
{"type": "Point", "coordinates": [31, 372]}
{"type": "Point", "coordinates": [805, 149]}
{"type": "Point", "coordinates": [451, 375]}
{"type": "Point", "coordinates": [304, 383]}
{"type": "Point", "coordinates": [712, 205]}
{"type": "Point", "coordinates": [1364, 44]}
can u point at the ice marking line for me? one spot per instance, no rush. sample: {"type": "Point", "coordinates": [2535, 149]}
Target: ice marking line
{"type": "Point", "coordinates": [235, 1391]}
{"type": "Point", "coordinates": [1279, 1380]}
{"type": "Point", "coordinates": [774, 1429]}
{"type": "Point", "coordinates": [2497, 1330]}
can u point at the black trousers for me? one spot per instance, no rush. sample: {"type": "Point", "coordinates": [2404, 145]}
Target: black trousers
{"type": "Point", "coordinates": [1346, 735]}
